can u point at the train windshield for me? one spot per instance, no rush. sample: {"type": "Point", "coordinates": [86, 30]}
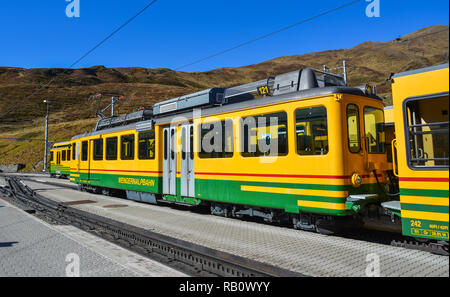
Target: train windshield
{"type": "Point", "coordinates": [374, 130]}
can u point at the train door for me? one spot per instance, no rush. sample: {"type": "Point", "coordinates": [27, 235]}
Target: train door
{"type": "Point", "coordinates": [77, 156]}
{"type": "Point", "coordinates": [89, 157]}
{"type": "Point", "coordinates": [355, 137]}
{"type": "Point", "coordinates": [170, 160]}
{"type": "Point", "coordinates": [84, 162]}
{"type": "Point", "coordinates": [187, 182]}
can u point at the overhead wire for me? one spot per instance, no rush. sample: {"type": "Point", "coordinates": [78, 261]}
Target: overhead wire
{"type": "Point", "coordinates": [268, 34]}
{"type": "Point", "coordinates": [85, 55]}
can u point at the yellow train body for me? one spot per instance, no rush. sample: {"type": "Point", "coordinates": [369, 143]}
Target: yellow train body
{"type": "Point", "coordinates": [312, 173]}
{"type": "Point", "coordinates": [60, 159]}
{"type": "Point", "coordinates": [421, 125]}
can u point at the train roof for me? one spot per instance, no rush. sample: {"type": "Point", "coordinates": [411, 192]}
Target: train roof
{"type": "Point", "coordinates": [299, 95]}
{"type": "Point", "coordinates": [421, 70]}
{"type": "Point", "coordinates": [61, 144]}
{"type": "Point", "coordinates": [139, 126]}
{"type": "Point", "coordinates": [299, 84]}
{"type": "Point", "coordinates": [291, 82]}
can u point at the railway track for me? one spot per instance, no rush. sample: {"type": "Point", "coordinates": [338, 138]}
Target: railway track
{"type": "Point", "coordinates": [190, 258]}
{"type": "Point", "coordinates": [381, 237]}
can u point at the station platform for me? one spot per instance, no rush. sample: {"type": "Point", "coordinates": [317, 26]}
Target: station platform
{"type": "Point", "coordinates": [304, 252]}
{"type": "Point", "coordinates": [31, 247]}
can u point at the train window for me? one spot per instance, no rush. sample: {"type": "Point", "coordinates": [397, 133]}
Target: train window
{"type": "Point", "coordinates": [111, 148]}
{"type": "Point", "coordinates": [73, 151]}
{"type": "Point", "coordinates": [127, 147]}
{"type": "Point", "coordinates": [191, 143]}
{"type": "Point", "coordinates": [354, 140]}
{"type": "Point", "coordinates": [173, 143]}
{"type": "Point", "coordinates": [98, 150]}
{"type": "Point", "coordinates": [264, 135]}
{"type": "Point", "coordinates": [84, 151]}
{"type": "Point", "coordinates": [427, 131]}
{"type": "Point", "coordinates": [51, 156]}
{"type": "Point", "coordinates": [165, 145]}
{"type": "Point", "coordinates": [147, 146]}
{"type": "Point", "coordinates": [183, 143]}
{"type": "Point", "coordinates": [68, 155]}
{"type": "Point", "coordinates": [58, 158]}
{"type": "Point", "coordinates": [63, 154]}
{"type": "Point", "coordinates": [312, 131]}
{"type": "Point", "coordinates": [216, 139]}
{"type": "Point", "coordinates": [374, 130]}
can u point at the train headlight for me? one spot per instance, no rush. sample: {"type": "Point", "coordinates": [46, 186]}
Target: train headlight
{"type": "Point", "coordinates": [356, 179]}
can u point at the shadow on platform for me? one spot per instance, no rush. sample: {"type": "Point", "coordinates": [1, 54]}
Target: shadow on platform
{"type": "Point", "coordinates": [8, 244]}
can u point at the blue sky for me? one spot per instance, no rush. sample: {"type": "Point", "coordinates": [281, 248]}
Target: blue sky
{"type": "Point", "coordinates": [172, 33]}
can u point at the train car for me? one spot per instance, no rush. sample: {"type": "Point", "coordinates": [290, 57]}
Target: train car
{"type": "Point", "coordinates": [121, 154]}
{"type": "Point", "coordinates": [60, 158]}
{"type": "Point", "coordinates": [421, 151]}
{"type": "Point", "coordinates": [301, 146]}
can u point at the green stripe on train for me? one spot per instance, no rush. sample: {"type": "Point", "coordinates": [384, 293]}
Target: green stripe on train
{"type": "Point", "coordinates": [425, 193]}
{"type": "Point", "coordinates": [150, 184]}
{"type": "Point", "coordinates": [230, 191]}
{"type": "Point", "coordinates": [425, 207]}
{"type": "Point", "coordinates": [61, 168]}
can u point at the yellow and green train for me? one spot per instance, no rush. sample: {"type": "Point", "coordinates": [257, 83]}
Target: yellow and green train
{"type": "Point", "coordinates": [301, 147]}
{"type": "Point", "coordinates": [60, 156]}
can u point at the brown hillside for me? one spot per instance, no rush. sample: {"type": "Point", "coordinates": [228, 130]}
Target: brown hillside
{"type": "Point", "coordinates": [369, 62]}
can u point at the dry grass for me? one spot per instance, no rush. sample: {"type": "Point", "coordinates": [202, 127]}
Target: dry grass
{"type": "Point", "coordinates": [31, 152]}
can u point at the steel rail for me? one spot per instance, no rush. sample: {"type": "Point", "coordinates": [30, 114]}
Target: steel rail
{"type": "Point", "coordinates": [190, 258]}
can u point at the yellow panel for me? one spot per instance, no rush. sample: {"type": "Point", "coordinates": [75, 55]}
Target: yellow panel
{"type": "Point", "coordinates": [338, 194]}
{"type": "Point", "coordinates": [423, 185]}
{"type": "Point", "coordinates": [422, 215]}
{"type": "Point", "coordinates": [325, 205]}
{"type": "Point", "coordinates": [424, 200]}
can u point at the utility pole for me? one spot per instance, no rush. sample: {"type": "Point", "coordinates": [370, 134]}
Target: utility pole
{"type": "Point", "coordinates": [113, 101]}
{"type": "Point", "coordinates": [46, 135]}
{"type": "Point", "coordinates": [344, 65]}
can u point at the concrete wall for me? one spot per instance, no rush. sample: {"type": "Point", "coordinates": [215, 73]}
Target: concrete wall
{"type": "Point", "coordinates": [11, 168]}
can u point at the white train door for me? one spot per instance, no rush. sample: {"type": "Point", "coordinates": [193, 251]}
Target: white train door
{"type": "Point", "coordinates": [187, 182]}
{"type": "Point", "coordinates": [170, 161]}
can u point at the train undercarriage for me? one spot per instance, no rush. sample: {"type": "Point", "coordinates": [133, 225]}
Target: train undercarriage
{"type": "Point", "coordinates": [371, 222]}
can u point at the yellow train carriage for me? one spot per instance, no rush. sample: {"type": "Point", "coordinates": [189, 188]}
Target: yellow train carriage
{"type": "Point", "coordinates": [125, 158]}
{"type": "Point", "coordinates": [421, 111]}
{"type": "Point", "coordinates": [330, 152]}
{"type": "Point", "coordinates": [309, 153]}
{"type": "Point", "coordinates": [60, 158]}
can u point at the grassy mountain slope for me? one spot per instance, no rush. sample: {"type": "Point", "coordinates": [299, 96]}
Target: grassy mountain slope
{"type": "Point", "coordinates": [71, 112]}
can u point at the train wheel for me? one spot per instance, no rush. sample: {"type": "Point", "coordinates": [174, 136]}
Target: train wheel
{"type": "Point", "coordinates": [325, 227]}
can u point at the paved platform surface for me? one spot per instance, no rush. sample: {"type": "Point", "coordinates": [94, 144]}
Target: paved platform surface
{"type": "Point", "coordinates": [30, 247]}
{"type": "Point", "coordinates": [304, 252]}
